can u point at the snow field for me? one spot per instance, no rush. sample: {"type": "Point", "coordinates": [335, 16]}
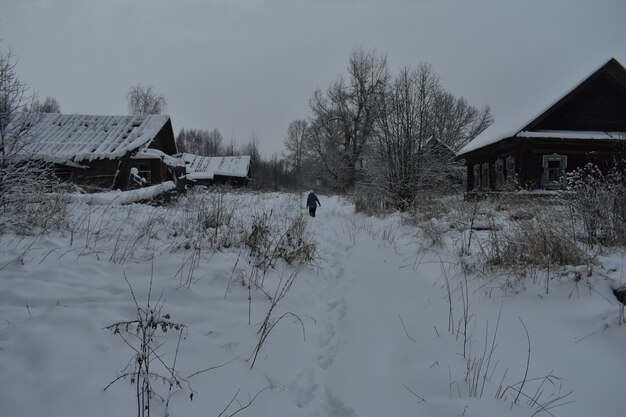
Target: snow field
{"type": "Point", "coordinates": [374, 306]}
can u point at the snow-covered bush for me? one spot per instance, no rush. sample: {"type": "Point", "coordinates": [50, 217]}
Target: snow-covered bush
{"type": "Point", "coordinates": [295, 246]}
{"type": "Point", "coordinates": [434, 231]}
{"type": "Point", "coordinates": [267, 243]}
{"type": "Point", "coordinates": [539, 241]}
{"type": "Point", "coordinates": [205, 220]}
{"type": "Point", "coordinates": [599, 201]}
{"type": "Point", "coordinates": [30, 213]}
{"type": "Point", "coordinates": [427, 207]}
{"type": "Point", "coordinates": [25, 205]}
{"type": "Point", "coordinates": [259, 239]}
{"type": "Point", "coordinates": [526, 240]}
{"type": "Point", "coordinates": [367, 200]}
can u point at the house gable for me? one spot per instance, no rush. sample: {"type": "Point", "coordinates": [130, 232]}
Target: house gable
{"type": "Point", "coordinates": [164, 139]}
{"type": "Point", "coordinates": [597, 104]}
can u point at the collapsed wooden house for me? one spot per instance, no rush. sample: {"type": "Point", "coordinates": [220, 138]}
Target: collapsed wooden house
{"type": "Point", "coordinates": [585, 125]}
{"type": "Point", "coordinates": [205, 170]}
{"type": "Point", "coordinates": [114, 152]}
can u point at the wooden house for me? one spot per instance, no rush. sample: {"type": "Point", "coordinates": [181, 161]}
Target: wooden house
{"type": "Point", "coordinates": [119, 152]}
{"type": "Point", "coordinates": [205, 170]}
{"type": "Point", "coordinates": [586, 124]}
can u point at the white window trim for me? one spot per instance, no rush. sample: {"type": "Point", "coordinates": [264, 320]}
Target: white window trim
{"type": "Point", "coordinates": [499, 172]}
{"type": "Point", "coordinates": [511, 174]}
{"type": "Point", "coordinates": [477, 177]}
{"type": "Point", "coordinates": [485, 182]}
{"type": "Point", "coordinates": [544, 174]}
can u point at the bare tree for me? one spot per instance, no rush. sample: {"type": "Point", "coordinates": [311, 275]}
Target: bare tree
{"type": "Point", "coordinates": [416, 120]}
{"type": "Point", "coordinates": [143, 101]}
{"type": "Point", "coordinates": [213, 144]}
{"type": "Point", "coordinates": [344, 116]}
{"type": "Point", "coordinates": [456, 122]}
{"type": "Point", "coordinates": [252, 149]}
{"type": "Point", "coordinates": [18, 172]}
{"type": "Point", "coordinates": [273, 174]}
{"type": "Point", "coordinates": [398, 156]}
{"type": "Point", "coordinates": [200, 142]}
{"type": "Point", "coordinates": [294, 144]}
{"type": "Point", "coordinates": [393, 136]}
{"type": "Point", "coordinates": [14, 100]}
{"type": "Point", "coordinates": [324, 152]}
{"type": "Point", "coordinates": [49, 105]}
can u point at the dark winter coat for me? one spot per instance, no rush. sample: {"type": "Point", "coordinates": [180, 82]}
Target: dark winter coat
{"type": "Point", "coordinates": [312, 200]}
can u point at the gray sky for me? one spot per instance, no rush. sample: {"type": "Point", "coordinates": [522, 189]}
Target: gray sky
{"type": "Point", "coordinates": [252, 65]}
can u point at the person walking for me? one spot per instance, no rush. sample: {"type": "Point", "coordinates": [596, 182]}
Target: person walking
{"type": "Point", "coordinates": [312, 202]}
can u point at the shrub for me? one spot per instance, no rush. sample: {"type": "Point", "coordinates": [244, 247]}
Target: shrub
{"type": "Point", "coordinates": [147, 365]}
{"type": "Point", "coordinates": [295, 246]}
{"type": "Point", "coordinates": [538, 241]}
{"type": "Point", "coordinates": [206, 219]}
{"type": "Point", "coordinates": [368, 203]}
{"type": "Point", "coordinates": [30, 201]}
{"type": "Point", "coordinates": [599, 201]}
{"type": "Point", "coordinates": [535, 240]}
{"type": "Point", "coordinates": [267, 244]}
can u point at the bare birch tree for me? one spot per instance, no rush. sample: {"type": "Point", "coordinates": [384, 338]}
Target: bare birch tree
{"type": "Point", "coordinates": [143, 101]}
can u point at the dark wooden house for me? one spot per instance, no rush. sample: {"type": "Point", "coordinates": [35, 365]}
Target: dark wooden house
{"type": "Point", "coordinates": [119, 152]}
{"type": "Point", "coordinates": [587, 124]}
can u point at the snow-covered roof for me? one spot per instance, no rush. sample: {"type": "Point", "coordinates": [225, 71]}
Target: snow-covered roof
{"type": "Point", "coordinates": [571, 134]}
{"type": "Point", "coordinates": [64, 138]}
{"type": "Point", "coordinates": [518, 120]}
{"type": "Point", "coordinates": [150, 153]}
{"type": "Point", "coordinates": [434, 141]}
{"type": "Point", "coordinates": [205, 168]}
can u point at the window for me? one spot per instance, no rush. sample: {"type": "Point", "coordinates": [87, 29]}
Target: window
{"type": "Point", "coordinates": [499, 173]}
{"type": "Point", "coordinates": [485, 177]}
{"type": "Point", "coordinates": [145, 172]}
{"type": "Point", "coordinates": [510, 169]}
{"type": "Point", "coordinates": [553, 169]}
{"type": "Point", "coordinates": [476, 186]}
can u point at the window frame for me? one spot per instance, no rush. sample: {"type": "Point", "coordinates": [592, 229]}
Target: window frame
{"type": "Point", "coordinates": [547, 177]}
{"type": "Point", "coordinates": [499, 173]}
{"type": "Point", "coordinates": [511, 175]}
{"type": "Point", "coordinates": [476, 186]}
{"type": "Point", "coordinates": [485, 180]}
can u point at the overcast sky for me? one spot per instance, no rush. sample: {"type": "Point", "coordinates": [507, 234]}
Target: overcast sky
{"type": "Point", "coordinates": [252, 65]}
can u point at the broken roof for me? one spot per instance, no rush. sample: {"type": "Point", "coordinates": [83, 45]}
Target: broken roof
{"type": "Point", "coordinates": [63, 138]}
{"type": "Point", "coordinates": [522, 123]}
{"type": "Point", "coordinates": [149, 153]}
{"type": "Point", "coordinates": [205, 167]}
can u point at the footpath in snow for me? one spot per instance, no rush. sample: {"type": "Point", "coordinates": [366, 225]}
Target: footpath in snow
{"type": "Point", "coordinates": [387, 325]}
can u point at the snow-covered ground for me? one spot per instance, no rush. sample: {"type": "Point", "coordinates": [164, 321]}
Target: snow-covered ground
{"type": "Point", "coordinates": [374, 330]}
